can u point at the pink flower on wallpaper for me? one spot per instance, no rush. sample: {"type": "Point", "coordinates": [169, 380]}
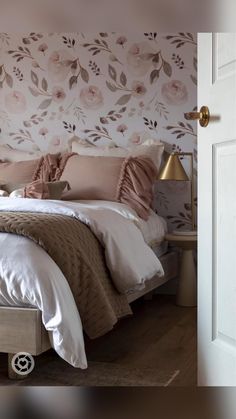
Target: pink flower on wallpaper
{"type": "Point", "coordinates": [91, 97]}
{"type": "Point", "coordinates": [139, 137]}
{"type": "Point", "coordinates": [122, 128]}
{"type": "Point", "coordinates": [42, 48]}
{"type": "Point", "coordinates": [59, 65]}
{"type": "Point", "coordinates": [174, 92]}
{"type": "Point", "coordinates": [43, 131]}
{"type": "Point", "coordinates": [121, 40]}
{"type": "Point", "coordinates": [58, 94]}
{"type": "Point", "coordinates": [35, 64]}
{"type": "Point", "coordinates": [139, 58]}
{"type": "Point", "coordinates": [15, 102]}
{"type": "Point", "coordinates": [138, 88]}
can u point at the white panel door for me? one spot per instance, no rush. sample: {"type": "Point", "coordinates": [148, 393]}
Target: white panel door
{"type": "Point", "coordinates": [217, 211]}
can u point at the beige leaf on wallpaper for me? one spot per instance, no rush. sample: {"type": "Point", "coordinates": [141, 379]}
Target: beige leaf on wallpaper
{"type": "Point", "coordinates": [9, 80]}
{"type": "Point", "coordinates": [194, 79]}
{"type": "Point", "coordinates": [167, 68]}
{"type": "Point", "coordinates": [27, 124]}
{"type": "Point", "coordinates": [34, 78]}
{"type": "Point", "coordinates": [45, 103]}
{"type": "Point", "coordinates": [26, 41]}
{"type": "Point", "coordinates": [154, 75]}
{"type": "Point", "coordinates": [123, 99]}
{"type": "Point", "coordinates": [112, 72]}
{"type": "Point", "coordinates": [33, 91]}
{"type": "Point", "coordinates": [44, 84]}
{"type": "Point", "coordinates": [156, 58]}
{"type": "Point", "coordinates": [72, 81]}
{"type": "Point", "coordinates": [84, 75]}
{"type": "Point", "coordinates": [111, 86]}
{"type": "Point", "coordinates": [123, 79]}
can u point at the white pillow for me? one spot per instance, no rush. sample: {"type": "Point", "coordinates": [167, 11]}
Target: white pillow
{"type": "Point", "coordinates": [150, 148]}
{"type": "Point", "coordinates": [10, 154]}
{"type": "Point", "coordinates": [18, 193]}
{"type": "Point", "coordinates": [3, 193]}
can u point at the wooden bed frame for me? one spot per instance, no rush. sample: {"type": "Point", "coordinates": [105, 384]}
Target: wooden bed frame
{"type": "Point", "coordinates": [22, 330]}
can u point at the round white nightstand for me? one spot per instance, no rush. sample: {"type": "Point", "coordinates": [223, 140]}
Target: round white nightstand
{"type": "Point", "coordinates": [187, 285]}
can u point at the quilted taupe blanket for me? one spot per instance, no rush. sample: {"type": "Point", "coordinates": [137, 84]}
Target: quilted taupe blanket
{"type": "Point", "coordinates": [80, 256]}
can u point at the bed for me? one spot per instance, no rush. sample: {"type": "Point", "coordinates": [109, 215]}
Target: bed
{"type": "Point", "coordinates": [41, 303]}
{"type": "Point", "coordinates": [22, 330]}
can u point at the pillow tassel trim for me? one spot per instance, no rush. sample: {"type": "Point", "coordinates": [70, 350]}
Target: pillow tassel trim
{"type": "Point", "coordinates": [51, 166]}
{"type": "Point", "coordinates": [135, 184]}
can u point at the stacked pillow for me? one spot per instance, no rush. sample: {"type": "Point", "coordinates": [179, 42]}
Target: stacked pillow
{"type": "Point", "coordinates": [116, 174]}
{"type": "Point", "coordinates": [127, 180]}
{"type": "Point", "coordinates": [20, 172]}
{"type": "Point", "coordinates": [11, 155]}
{"type": "Point", "coordinates": [151, 148]}
{"type": "Point", "coordinates": [28, 178]}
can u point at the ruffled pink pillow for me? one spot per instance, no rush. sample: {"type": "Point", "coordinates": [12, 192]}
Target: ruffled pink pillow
{"type": "Point", "coordinates": [135, 186]}
{"type": "Point", "coordinates": [127, 180]}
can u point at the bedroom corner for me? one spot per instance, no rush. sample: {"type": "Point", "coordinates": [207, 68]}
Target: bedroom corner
{"type": "Point", "coordinates": [87, 121]}
{"type": "Point", "coordinates": [117, 209]}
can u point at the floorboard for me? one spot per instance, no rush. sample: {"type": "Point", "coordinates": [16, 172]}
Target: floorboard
{"type": "Point", "coordinates": [160, 335]}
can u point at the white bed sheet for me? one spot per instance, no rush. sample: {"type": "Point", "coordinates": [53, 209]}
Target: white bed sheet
{"type": "Point", "coordinates": [29, 277]}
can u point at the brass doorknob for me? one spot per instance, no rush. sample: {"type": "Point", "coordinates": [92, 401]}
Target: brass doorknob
{"type": "Point", "coordinates": [203, 116]}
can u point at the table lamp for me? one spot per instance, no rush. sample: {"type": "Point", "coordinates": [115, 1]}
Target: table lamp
{"type": "Point", "coordinates": [173, 170]}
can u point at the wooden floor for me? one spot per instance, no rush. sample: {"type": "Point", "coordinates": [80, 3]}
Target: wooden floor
{"type": "Point", "coordinates": [160, 335]}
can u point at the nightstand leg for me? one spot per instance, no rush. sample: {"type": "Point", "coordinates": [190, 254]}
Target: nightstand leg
{"type": "Point", "coordinates": [187, 286]}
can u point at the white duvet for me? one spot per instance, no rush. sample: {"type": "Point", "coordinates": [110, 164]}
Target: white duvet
{"type": "Point", "coordinates": [29, 277]}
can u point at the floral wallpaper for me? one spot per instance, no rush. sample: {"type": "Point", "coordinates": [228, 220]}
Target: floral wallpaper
{"type": "Point", "coordinates": [107, 88]}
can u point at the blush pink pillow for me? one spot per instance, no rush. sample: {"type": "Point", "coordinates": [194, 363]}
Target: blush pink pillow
{"type": "Point", "coordinates": [21, 172]}
{"type": "Point", "coordinates": [151, 148]}
{"type": "Point", "coordinates": [127, 180]}
{"type": "Point", "coordinates": [9, 154]}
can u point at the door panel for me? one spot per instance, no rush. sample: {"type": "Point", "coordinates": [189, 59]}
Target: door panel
{"type": "Point", "coordinates": [224, 58]}
{"type": "Point", "coordinates": [217, 211]}
{"type": "Point", "coordinates": [224, 239]}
